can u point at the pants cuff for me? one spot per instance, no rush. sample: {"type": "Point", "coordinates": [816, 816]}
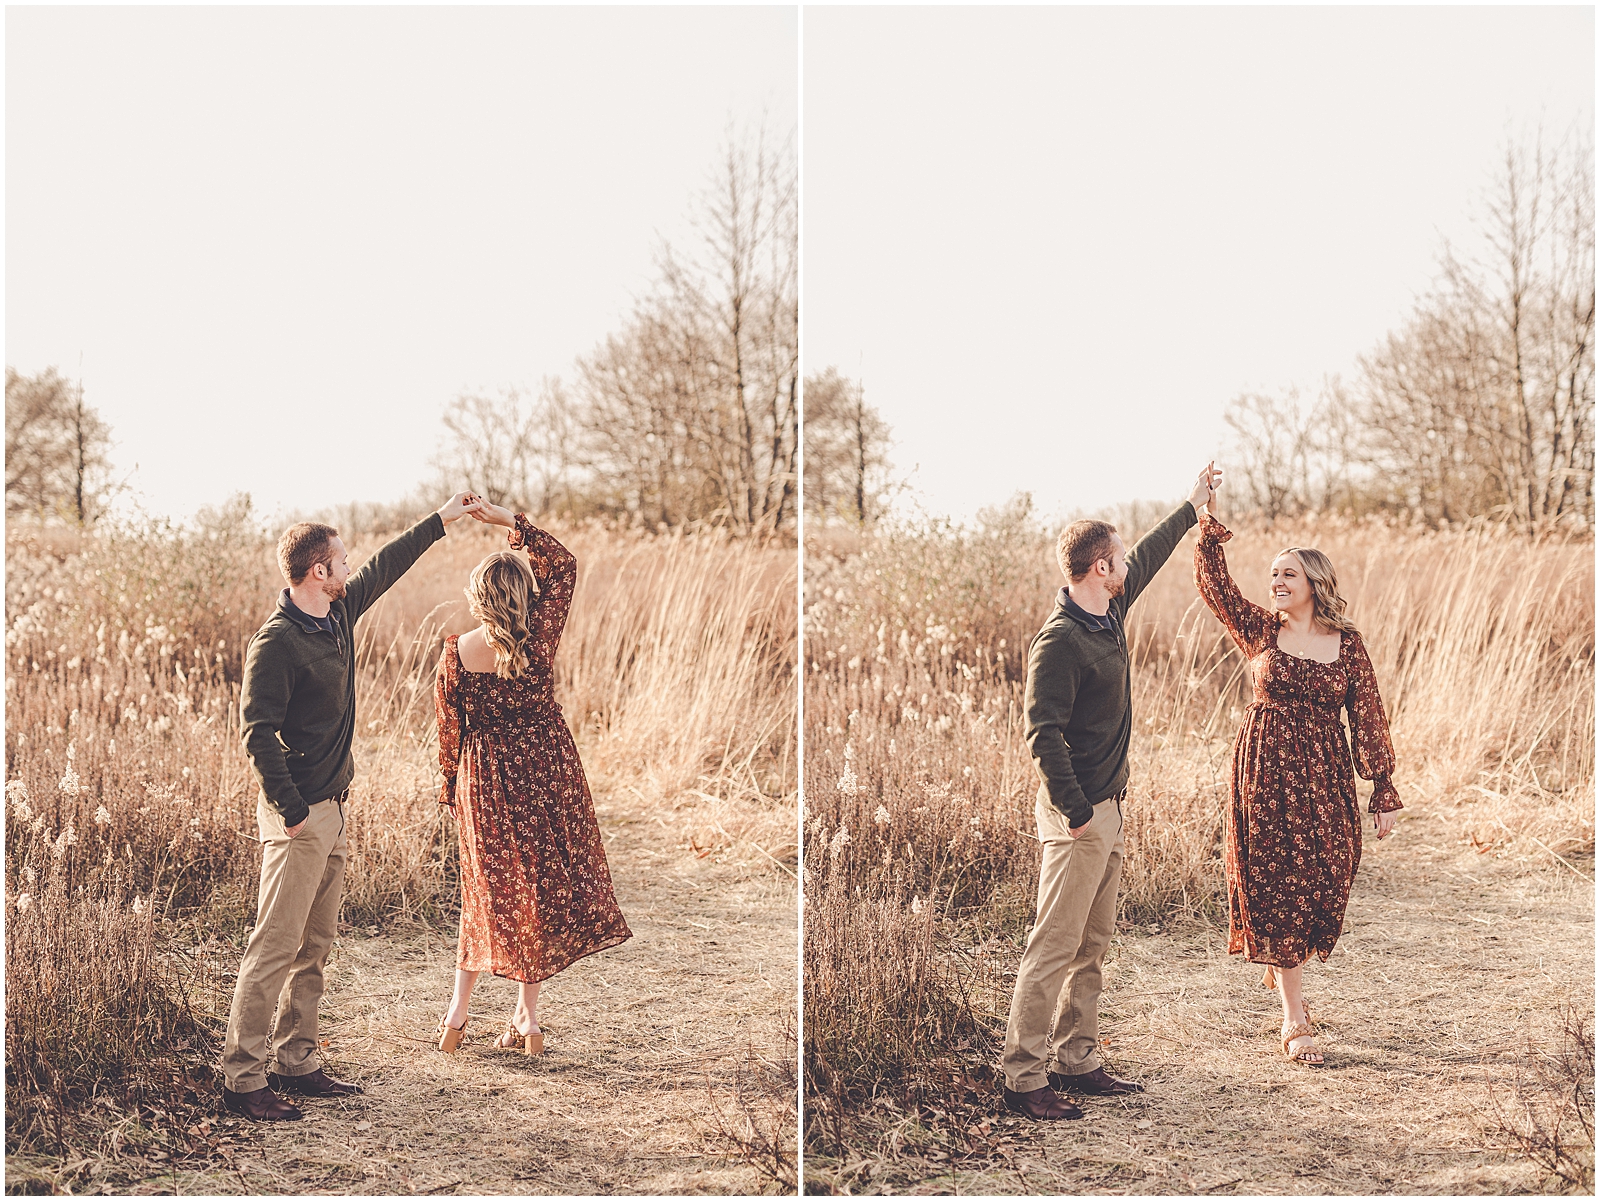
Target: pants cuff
{"type": "Point", "coordinates": [302, 1072]}
{"type": "Point", "coordinates": [1028, 1083]}
{"type": "Point", "coordinates": [1082, 1069]}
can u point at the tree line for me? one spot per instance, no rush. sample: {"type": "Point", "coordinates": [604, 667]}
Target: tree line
{"type": "Point", "coordinates": [688, 414]}
{"type": "Point", "coordinates": [1482, 404]}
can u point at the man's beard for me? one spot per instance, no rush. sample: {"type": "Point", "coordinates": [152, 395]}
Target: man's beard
{"type": "Point", "coordinates": [1114, 587]}
{"type": "Point", "coordinates": [333, 589]}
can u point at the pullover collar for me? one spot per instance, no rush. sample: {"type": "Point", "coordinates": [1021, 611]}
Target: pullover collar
{"type": "Point", "coordinates": [1095, 621]}
{"type": "Point", "coordinates": [1090, 621]}
{"type": "Point", "coordinates": [308, 623]}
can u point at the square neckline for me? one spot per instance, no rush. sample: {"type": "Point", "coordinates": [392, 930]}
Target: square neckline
{"type": "Point", "coordinates": [1343, 642]}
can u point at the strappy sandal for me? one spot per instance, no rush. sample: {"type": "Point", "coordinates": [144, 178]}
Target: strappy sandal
{"type": "Point", "coordinates": [450, 1036]}
{"type": "Point", "coordinates": [1301, 1030]}
{"type": "Point", "coordinates": [1305, 1029]}
{"type": "Point", "coordinates": [527, 1044]}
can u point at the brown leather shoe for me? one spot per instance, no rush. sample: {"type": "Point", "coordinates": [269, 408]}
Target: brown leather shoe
{"type": "Point", "coordinates": [261, 1105]}
{"type": "Point", "coordinates": [313, 1084]}
{"type": "Point", "coordinates": [1094, 1084]}
{"type": "Point", "coordinates": [1042, 1105]}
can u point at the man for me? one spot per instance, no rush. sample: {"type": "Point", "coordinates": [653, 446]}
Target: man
{"type": "Point", "coordinates": [1078, 721]}
{"type": "Point", "coordinates": [298, 706]}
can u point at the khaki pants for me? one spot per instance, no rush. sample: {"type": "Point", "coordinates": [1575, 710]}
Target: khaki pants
{"type": "Point", "coordinates": [1055, 1010]}
{"type": "Point", "coordinates": [280, 977]}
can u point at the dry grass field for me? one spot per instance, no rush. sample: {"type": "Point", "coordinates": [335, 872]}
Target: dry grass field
{"type": "Point", "coordinates": [1453, 1005]}
{"type": "Point", "coordinates": [130, 875]}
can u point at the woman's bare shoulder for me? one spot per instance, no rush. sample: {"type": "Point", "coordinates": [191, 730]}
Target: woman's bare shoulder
{"type": "Point", "coordinates": [475, 651]}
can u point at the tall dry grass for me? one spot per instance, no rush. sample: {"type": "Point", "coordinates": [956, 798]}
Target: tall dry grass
{"type": "Point", "coordinates": [920, 852]}
{"type": "Point", "coordinates": [130, 852]}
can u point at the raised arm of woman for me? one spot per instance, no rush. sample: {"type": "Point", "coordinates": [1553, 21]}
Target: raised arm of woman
{"type": "Point", "coordinates": [556, 569]}
{"type": "Point", "coordinates": [1251, 626]}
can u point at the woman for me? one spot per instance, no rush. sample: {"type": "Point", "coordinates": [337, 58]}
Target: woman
{"type": "Point", "coordinates": [1292, 839]}
{"type": "Point", "coordinates": [535, 889]}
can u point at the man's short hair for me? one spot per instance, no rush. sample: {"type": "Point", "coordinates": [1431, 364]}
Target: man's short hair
{"type": "Point", "coordinates": [302, 546]}
{"type": "Point", "coordinates": [1081, 544]}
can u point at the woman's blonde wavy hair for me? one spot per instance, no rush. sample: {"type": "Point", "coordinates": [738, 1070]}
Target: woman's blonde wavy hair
{"type": "Point", "coordinates": [1327, 606]}
{"type": "Point", "coordinates": [502, 594]}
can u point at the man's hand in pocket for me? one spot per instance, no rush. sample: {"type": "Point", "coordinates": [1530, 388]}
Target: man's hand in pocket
{"type": "Point", "coordinates": [291, 831]}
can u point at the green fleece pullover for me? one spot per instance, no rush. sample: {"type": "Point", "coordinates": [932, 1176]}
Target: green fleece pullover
{"type": "Point", "coordinates": [298, 702]}
{"type": "Point", "coordinates": [1077, 707]}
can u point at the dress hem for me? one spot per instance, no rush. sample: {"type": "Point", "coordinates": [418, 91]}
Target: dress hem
{"type": "Point", "coordinates": [507, 974]}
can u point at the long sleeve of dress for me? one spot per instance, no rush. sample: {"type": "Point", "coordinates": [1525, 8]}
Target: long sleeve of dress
{"type": "Point", "coordinates": [557, 572]}
{"type": "Point", "coordinates": [444, 707]}
{"type": "Point", "coordinates": [1369, 730]}
{"type": "Point", "coordinates": [1251, 626]}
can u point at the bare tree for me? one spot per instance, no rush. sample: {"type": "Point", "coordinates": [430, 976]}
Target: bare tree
{"type": "Point", "coordinates": [58, 462]}
{"type": "Point", "coordinates": [557, 456]}
{"type": "Point", "coordinates": [518, 450]}
{"type": "Point", "coordinates": [1273, 443]}
{"type": "Point", "coordinates": [689, 412]}
{"type": "Point", "coordinates": [692, 411]}
{"type": "Point", "coordinates": [640, 394]}
{"type": "Point", "coordinates": [1291, 455]}
{"type": "Point", "coordinates": [847, 450]}
{"type": "Point", "coordinates": [1484, 401]}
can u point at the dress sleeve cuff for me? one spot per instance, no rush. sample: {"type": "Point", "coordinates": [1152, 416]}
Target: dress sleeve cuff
{"type": "Point", "coordinates": [447, 794]}
{"type": "Point", "coordinates": [521, 535]}
{"type": "Point", "coordinates": [1384, 797]}
{"type": "Point", "coordinates": [1212, 530]}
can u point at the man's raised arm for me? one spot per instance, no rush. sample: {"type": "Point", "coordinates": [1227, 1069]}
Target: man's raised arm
{"type": "Point", "coordinates": [392, 560]}
{"type": "Point", "coordinates": [1156, 547]}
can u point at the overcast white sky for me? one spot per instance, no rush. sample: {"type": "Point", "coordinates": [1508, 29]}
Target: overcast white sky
{"type": "Point", "coordinates": [281, 239]}
{"type": "Point", "coordinates": [1053, 242]}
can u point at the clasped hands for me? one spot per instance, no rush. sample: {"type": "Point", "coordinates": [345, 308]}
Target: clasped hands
{"type": "Point", "coordinates": [470, 504]}
{"type": "Point", "coordinates": [1205, 488]}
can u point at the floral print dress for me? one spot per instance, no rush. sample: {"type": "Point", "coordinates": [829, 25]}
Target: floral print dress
{"type": "Point", "coordinates": [536, 892]}
{"type": "Point", "coordinates": [1292, 835]}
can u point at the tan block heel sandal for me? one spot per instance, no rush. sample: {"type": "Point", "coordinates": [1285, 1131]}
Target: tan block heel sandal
{"type": "Point", "coordinates": [527, 1044]}
{"type": "Point", "coordinates": [450, 1036]}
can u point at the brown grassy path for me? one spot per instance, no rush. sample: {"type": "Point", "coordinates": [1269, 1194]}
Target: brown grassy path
{"type": "Point", "coordinates": [1451, 961]}
{"type": "Point", "coordinates": [648, 1044]}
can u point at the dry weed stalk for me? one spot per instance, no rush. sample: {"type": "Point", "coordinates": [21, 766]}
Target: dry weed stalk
{"type": "Point", "coordinates": [760, 1129]}
{"type": "Point", "coordinates": [1549, 1116]}
{"type": "Point", "coordinates": [921, 860]}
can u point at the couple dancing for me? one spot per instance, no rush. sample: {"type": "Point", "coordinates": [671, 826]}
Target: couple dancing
{"type": "Point", "coordinates": [536, 891]}
{"type": "Point", "coordinates": [1292, 833]}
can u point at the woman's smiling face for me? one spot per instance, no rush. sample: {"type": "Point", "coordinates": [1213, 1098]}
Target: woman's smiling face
{"type": "Point", "coordinates": [1290, 588]}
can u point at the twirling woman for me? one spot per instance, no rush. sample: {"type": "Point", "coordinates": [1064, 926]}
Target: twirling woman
{"type": "Point", "coordinates": [536, 893]}
{"type": "Point", "coordinates": [1292, 837]}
